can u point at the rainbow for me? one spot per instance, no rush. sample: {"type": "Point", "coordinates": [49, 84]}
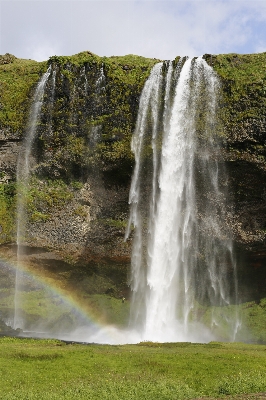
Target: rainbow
{"type": "Point", "coordinates": [82, 312]}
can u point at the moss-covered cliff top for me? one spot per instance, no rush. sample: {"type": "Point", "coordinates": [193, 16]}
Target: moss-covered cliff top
{"type": "Point", "coordinates": [243, 78]}
{"type": "Point", "coordinates": [18, 78]}
{"type": "Point", "coordinates": [243, 75]}
{"type": "Point", "coordinates": [242, 69]}
{"type": "Point", "coordinates": [244, 85]}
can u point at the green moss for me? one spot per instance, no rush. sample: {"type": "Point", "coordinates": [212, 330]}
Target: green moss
{"type": "Point", "coordinates": [116, 223]}
{"type": "Point", "coordinates": [116, 151]}
{"type": "Point", "coordinates": [76, 185]}
{"type": "Point", "coordinates": [37, 216]}
{"type": "Point", "coordinates": [80, 211]}
{"type": "Point", "coordinates": [243, 105]}
{"type": "Point", "coordinates": [72, 118]}
{"type": "Point", "coordinates": [74, 150]}
{"type": "Point", "coordinates": [107, 109]}
{"type": "Point", "coordinates": [17, 80]}
{"type": "Point", "coordinates": [77, 59]}
{"type": "Point", "coordinates": [244, 84]}
{"type": "Point", "coordinates": [7, 59]}
{"type": "Point", "coordinates": [7, 211]}
{"type": "Point", "coordinates": [44, 196]}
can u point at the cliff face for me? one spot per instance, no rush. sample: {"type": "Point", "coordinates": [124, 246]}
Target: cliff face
{"type": "Point", "coordinates": [81, 160]}
{"type": "Point", "coordinates": [81, 165]}
{"type": "Point", "coordinates": [243, 113]}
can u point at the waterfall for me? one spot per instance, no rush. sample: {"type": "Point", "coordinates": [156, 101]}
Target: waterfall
{"type": "Point", "coordinates": [100, 83]}
{"type": "Point", "coordinates": [50, 126]}
{"type": "Point", "coordinates": [23, 174]}
{"type": "Point", "coordinates": [96, 130]}
{"type": "Point", "coordinates": [182, 257]}
{"type": "Point", "coordinates": [53, 86]}
{"type": "Point", "coordinates": [83, 74]}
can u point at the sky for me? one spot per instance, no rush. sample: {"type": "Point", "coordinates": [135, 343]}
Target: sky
{"type": "Point", "coordinates": [38, 29]}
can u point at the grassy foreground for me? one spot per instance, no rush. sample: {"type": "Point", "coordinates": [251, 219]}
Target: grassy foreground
{"type": "Point", "coordinates": [50, 369]}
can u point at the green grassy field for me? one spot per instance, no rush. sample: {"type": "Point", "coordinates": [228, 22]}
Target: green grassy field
{"type": "Point", "coordinates": [50, 369]}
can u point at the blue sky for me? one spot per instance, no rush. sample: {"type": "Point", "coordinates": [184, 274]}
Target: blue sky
{"type": "Point", "coordinates": [38, 29]}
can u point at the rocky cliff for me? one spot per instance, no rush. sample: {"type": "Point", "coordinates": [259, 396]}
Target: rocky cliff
{"type": "Point", "coordinates": [81, 161]}
{"type": "Point", "coordinates": [243, 115]}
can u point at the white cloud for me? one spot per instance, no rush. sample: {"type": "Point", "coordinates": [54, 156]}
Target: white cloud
{"type": "Point", "coordinates": [41, 52]}
{"type": "Point", "coordinates": [260, 47]}
{"type": "Point", "coordinates": [160, 29]}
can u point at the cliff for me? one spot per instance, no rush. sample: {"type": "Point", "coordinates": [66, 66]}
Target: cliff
{"type": "Point", "coordinates": [81, 162]}
{"type": "Point", "coordinates": [81, 165]}
{"type": "Point", "coordinates": [243, 114]}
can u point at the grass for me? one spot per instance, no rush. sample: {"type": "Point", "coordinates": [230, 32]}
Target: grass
{"type": "Point", "coordinates": [50, 369]}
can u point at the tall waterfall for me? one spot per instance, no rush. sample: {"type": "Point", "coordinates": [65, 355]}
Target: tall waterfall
{"type": "Point", "coordinates": [23, 173]}
{"type": "Point", "coordinates": [182, 258]}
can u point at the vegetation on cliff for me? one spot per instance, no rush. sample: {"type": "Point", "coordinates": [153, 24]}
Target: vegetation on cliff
{"type": "Point", "coordinates": [86, 122]}
{"type": "Point", "coordinates": [244, 90]}
{"type": "Point", "coordinates": [93, 113]}
{"type": "Point", "coordinates": [17, 80]}
{"type": "Point", "coordinates": [243, 114]}
{"type": "Point", "coordinates": [7, 212]}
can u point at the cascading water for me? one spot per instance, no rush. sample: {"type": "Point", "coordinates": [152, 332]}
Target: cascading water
{"type": "Point", "coordinates": [83, 74]}
{"type": "Point", "coordinates": [23, 173]}
{"type": "Point", "coordinates": [99, 93]}
{"type": "Point", "coordinates": [53, 86]}
{"type": "Point", "coordinates": [100, 83]}
{"type": "Point", "coordinates": [182, 256]}
{"type": "Point", "coordinates": [50, 127]}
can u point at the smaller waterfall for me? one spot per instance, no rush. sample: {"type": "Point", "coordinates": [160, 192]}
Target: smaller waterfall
{"type": "Point", "coordinates": [23, 174]}
{"type": "Point", "coordinates": [50, 126]}
{"type": "Point", "coordinates": [100, 83]}
{"type": "Point", "coordinates": [150, 95]}
{"type": "Point", "coordinates": [83, 74]}
{"type": "Point", "coordinates": [53, 86]}
{"type": "Point", "coordinates": [95, 135]}
{"type": "Point", "coordinates": [182, 257]}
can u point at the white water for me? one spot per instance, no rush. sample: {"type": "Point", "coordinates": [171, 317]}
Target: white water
{"type": "Point", "coordinates": [96, 130]}
{"type": "Point", "coordinates": [53, 86]}
{"type": "Point", "coordinates": [83, 74]}
{"type": "Point", "coordinates": [100, 83]}
{"type": "Point", "coordinates": [23, 174]}
{"type": "Point", "coordinates": [169, 280]}
{"type": "Point", "coordinates": [50, 126]}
